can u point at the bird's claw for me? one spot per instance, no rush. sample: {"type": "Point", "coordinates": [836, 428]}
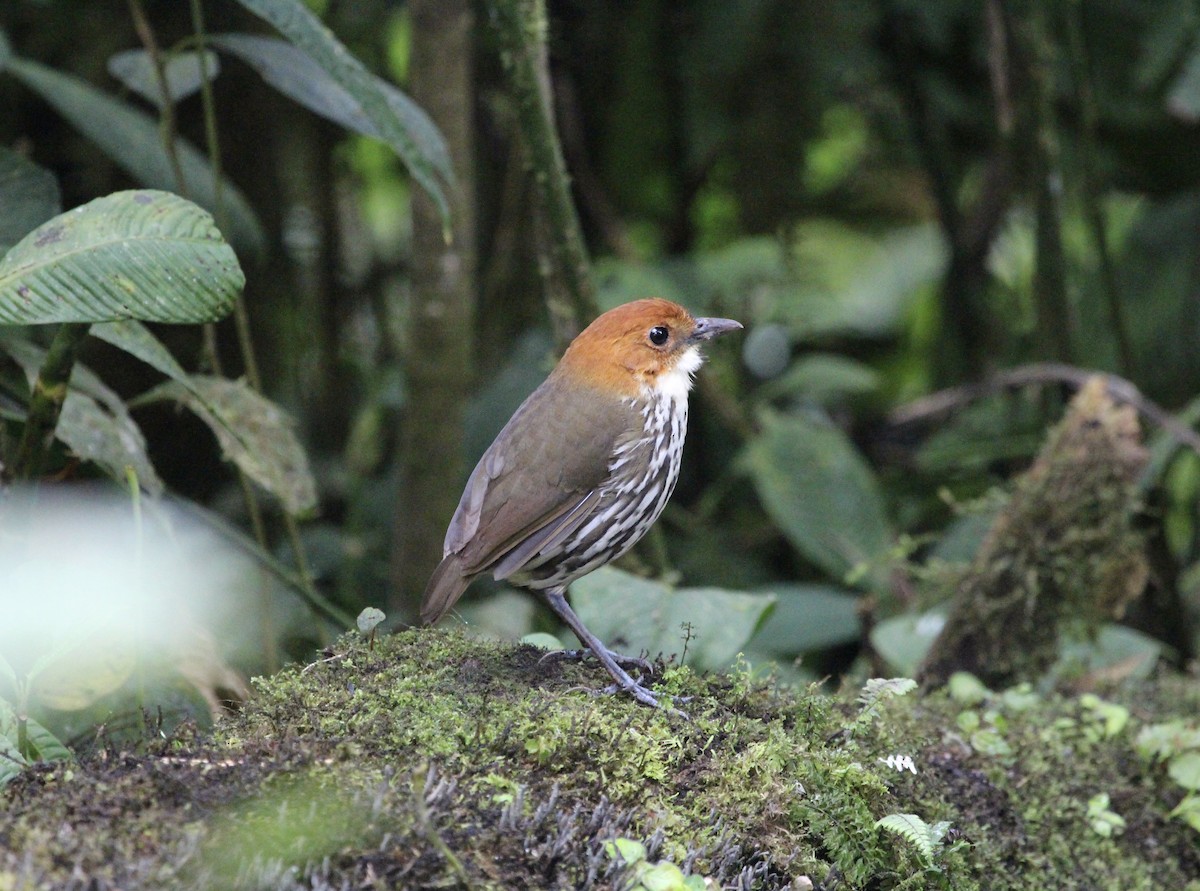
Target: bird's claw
{"type": "Point", "coordinates": [622, 660]}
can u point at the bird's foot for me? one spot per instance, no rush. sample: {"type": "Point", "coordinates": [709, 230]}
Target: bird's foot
{"type": "Point", "coordinates": [625, 661]}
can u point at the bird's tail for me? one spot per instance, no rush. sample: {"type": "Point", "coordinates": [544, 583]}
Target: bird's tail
{"type": "Point", "coordinates": [445, 586]}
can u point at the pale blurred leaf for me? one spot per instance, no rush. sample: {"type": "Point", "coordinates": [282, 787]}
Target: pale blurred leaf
{"type": "Point", "coordinates": [298, 76]}
{"type": "Point", "coordinates": [135, 69]}
{"type": "Point", "coordinates": [28, 194]}
{"type": "Point", "coordinates": [638, 615]}
{"type": "Point", "coordinates": [132, 139]}
{"type": "Point", "coordinates": [820, 492]}
{"type": "Point", "coordinates": [307, 33]}
{"type": "Point", "coordinates": [807, 618]}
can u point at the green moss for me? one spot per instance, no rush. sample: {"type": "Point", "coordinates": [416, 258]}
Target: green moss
{"type": "Point", "coordinates": [433, 759]}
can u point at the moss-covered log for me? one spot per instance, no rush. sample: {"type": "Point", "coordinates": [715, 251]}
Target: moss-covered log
{"type": "Point", "coordinates": [1063, 556]}
{"type": "Point", "coordinates": [434, 760]}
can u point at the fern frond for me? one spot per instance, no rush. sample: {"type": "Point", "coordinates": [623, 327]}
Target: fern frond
{"type": "Point", "coordinates": [916, 831]}
{"type": "Point", "coordinates": [879, 690]}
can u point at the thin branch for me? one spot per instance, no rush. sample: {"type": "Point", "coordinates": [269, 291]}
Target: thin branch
{"type": "Point", "coordinates": [1123, 391]}
{"type": "Point", "coordinates": [167, 125]}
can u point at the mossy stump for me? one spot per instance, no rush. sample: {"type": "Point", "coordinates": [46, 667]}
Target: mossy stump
{"type": "Point", "coordinates": [436, 761]}
{"type": "Point", "coordinates": [1063, 556]}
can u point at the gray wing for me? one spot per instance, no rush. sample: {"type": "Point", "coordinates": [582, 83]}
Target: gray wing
{"type": "Point", "coordinates": [538, 481]}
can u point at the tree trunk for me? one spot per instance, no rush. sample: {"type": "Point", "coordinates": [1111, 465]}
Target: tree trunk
{"type": "Point", "coordinates": [440, 349]}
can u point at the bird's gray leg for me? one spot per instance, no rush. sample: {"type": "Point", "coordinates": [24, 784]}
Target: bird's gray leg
{"type": "Point", "coordinates": [558, 603]}
{"type": "Point", "coordinates": [620, 658]}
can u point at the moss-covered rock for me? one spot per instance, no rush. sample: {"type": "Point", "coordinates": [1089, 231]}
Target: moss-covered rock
{"type": "Point", "coordinates": [434, 760]}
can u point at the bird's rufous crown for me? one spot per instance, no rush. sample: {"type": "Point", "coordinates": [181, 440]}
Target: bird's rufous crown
{"type": "Point", "coordinates": [631, 347]}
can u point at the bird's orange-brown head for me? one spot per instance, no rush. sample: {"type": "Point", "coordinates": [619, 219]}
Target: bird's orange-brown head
{"type": "Point", "coordinates": [647, 346]}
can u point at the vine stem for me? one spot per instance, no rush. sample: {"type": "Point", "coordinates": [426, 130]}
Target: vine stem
{"type": "Point", "coordinates": [46, 401]}
{"type": "Point", "coordinates": [520, 28]}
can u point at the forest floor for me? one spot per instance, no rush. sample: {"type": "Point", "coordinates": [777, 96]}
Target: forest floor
{"type": "Point", "coordinates": [432, 760]}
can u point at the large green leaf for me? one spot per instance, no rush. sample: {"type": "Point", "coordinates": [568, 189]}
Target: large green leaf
{"type": "Point", "coordinates": [293, 19]}
{"type": "Point", "coordinates": [902, 641]}
{"type": "Point", "coordinates": [638, 615]}
{"type": "Point", "coordinates": [297, 75]}
{"type": "Point", "coordinates": [133, 139]}
{"type": "Point", "coordinates": [131, 255]}
{"type": "Point", "coordinates": [28, 194]}
{"type": "Point", "coordinates": [255, 433]}
{"type": "Point", "coordinates": [808, 618]}
{"type": "Point", "coordinates": [820, 492]}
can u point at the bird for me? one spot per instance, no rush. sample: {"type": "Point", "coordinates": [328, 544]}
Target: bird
{"type": "Point", "coordinates": [582, 469]}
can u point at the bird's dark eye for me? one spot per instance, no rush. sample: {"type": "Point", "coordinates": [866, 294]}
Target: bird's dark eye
{"type": "Point", "coordinates": [659, 335]}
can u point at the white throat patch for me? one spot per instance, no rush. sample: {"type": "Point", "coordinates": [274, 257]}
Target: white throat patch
{"type": "Point", "coordinates": [675, 384]}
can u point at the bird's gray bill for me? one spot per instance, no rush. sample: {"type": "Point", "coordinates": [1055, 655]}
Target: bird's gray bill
{"type": "Point", "coordinates": [707, 329]}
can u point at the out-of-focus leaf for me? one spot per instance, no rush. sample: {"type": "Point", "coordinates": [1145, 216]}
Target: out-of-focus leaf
{"type": "Point", "coordinates": [112, 441]}
{"type": "Point", "coordinates": [766, 350]}
{"type": "Point", "coordinates": [904, 640]}
{"type": "Point", "coordinates": [849, 283]}
{"type": "Point", "coordinates": [132, 138]}
{"type": "Point", "coordinates": [823, 378]}
{"type": "Point", "coordinates": [305, 30]}
{"type": "Point", "coordinates": [820, 492]}
{"type": "Point", "coordinates": [639, 615]}
{"type": "Point", "coordinates": [1002, 428]}
{"type": "Point", "coordinates": [298, 76]}
{"type": "Point", "coordinates": [1171, 28]}
{"type": "Point", "coordinates": [1116, 646]}
{"type": "Point", "coordinates": [94, 422]}
{"type": "Point", "coordinates": [28, 194]}
{"type": "Point", "coordinates": [182, 72]}
{"type": "Point", "coordinates": [618, 281]}
{"type": "Point", "coordinates": [542, 640]}
{"type": "Point", "coordinates": [808, 618]}
{"type": "Point", "coordinates": [504, 615]}
{"type": "Point", "coordinates": [963, 535]}
{"type": "Point", "coordinates": [1183, 100]}
{"type": "Point", "coordinates": [254, 432]}
{"type": "Point", "coordinates": [85, 673]}
{"type": "Point", "coordinates": [1184, 769]}
{"type": "Point", "coordinates": [130, 255]}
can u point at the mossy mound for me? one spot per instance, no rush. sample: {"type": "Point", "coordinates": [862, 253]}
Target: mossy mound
{"type": "Point", "coordinates": [434, 760]}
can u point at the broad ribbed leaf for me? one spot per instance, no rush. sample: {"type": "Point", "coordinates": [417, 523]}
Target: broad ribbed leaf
{"type": "Point", "coordinates": [305, 30]}
{"type": "Point", "coordinates": [131, 255]}
{"type": "Point", "coordinates": [28, 194]}
{"type": "Point", "coordinates": [255, 433]}
{"type": "Point", "coordinates": [132, 138]}
{"type": "Point", "coordinates": [295, 74]}
{"type": "Point", "coordinates": [182, 72]}
{"type": "Point", "coordinates": [820, 493]}
{"type": "Point", "coordinates": [638, 615]}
